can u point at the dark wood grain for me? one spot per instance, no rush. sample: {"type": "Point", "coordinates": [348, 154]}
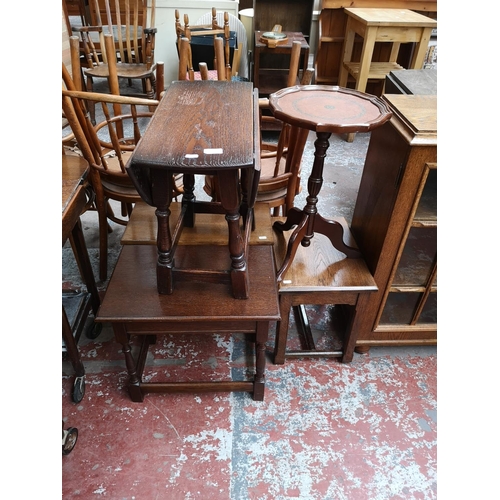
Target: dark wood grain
{"type": "Point", "coordinates": [325, 110]}
{"type": "Point", "coordinates": [292, 15]}
{"type": "Point", "coordinates": [210, 128]}
{"type": "Point", "coordinates": [133, 306]}
{"type": "Point", "coordinates": [318, 274]}
{"type": "Point", "coordinates": [397, 239]}
{"type": "Point", "coordinates": [194, 117]}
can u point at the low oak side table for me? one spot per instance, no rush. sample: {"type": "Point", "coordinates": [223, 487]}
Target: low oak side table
{"type": "Point", "coordinates": [133, 306]}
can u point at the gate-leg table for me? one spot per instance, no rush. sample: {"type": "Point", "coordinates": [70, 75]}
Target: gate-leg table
{"type": "Point", "coordinates": [201, 128]}
{"type": "Point", "coordinates": [326, 110]}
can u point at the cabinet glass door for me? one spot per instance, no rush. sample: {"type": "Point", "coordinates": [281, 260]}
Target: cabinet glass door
{"type": "Point", "coordinates": [411, 298]}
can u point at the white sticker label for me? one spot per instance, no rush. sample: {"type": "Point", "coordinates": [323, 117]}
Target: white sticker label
{"type": "Point", "coordinates": [213, 151]}
{"type": "Point", "coordinates": [262, 237]}
{"type": "Point", "coordinates": [191, 155]}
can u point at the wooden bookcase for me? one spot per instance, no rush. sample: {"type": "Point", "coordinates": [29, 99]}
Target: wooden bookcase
{"type": "Point", "coordinates": [331, 31]}
{"type": "Point", "coordinates": [395, 225]}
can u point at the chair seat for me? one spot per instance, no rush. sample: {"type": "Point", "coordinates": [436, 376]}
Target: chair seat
{"type": "Point", "coordinates": [124, 192]}
{"type": "Point", "coordinates": [268, 163]}
{"type": "Point", "coordinates": [117, 183]}
{"type": "Point", "coordinates": [271, 188]}
{"type": "Point", "coordinates": [270, 196]}
{"type": "Point", "coordinates": [124, 70]}
{"type": "Point", "coordinates": [212, 75]}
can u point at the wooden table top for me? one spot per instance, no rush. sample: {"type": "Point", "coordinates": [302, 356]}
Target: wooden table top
{"type": "Point", "coordinates": [198, 127]}
{"type": "Point", "coordinates": [74, 172]}
{"type": "Point", "coordinates": [390, 17]}
{"type": "Point", "coordinates": [415, 81]}
{"type": "Point", "coordinates": [321, 267]}
{"type": "Point", "coordinates": [324, 108]}
{"type": "Point", "coordinates": [418, 114]}
{"type": "Point", "coordinates": [292, 36]}
{"type": "Point", "coordinates": [132, 294]}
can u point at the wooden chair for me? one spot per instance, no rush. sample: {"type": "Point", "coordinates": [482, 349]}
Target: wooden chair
{"type": "Point", "coordinates": [319, 275]}
{"type": "Point", "coordinates": [221, 33]}
{"type": "Point", "coordinates": [240, 60]}
{"type": "Point", "coordinates": [280, 162]}
{"type": "Point", "coordinates": [107, 145]}
{"type": "Point", "coordinates": [133, 45]}
{"type": "Point", "coordinates": [186, 71]}
{"type": "Point", "coordinates": [280, 165]}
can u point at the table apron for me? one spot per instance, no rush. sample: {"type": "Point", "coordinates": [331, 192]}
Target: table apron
{"type": "Point", "coordinates": [322, 297]}
{"type": "Point", "coordinates": [192, 327]}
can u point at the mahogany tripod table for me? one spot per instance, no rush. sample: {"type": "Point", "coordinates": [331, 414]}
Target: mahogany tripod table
{"type": "Point", "coordinates": [326, 110]}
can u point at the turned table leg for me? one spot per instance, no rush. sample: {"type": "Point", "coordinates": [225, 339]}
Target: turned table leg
{"type": "Point", "coordinates": [134, 381]}
{"type": "Point", "coordinates": [308, 221]}
{"type": "Point", "coordinates": [261, 336]}
{"type": "Point", "coordinates": [228, 182]}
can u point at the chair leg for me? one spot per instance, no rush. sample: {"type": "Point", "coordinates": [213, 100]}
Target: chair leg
{"type": "Point", "coordinates": [90, 104]}
{"type": "Point", "coordinates": [101, 204]}
{"type": "Point", "coordinates": [75, 253]}
{"type": "Point", "coordinates": [110, 212]}
{"type": "Point", "coordinates": [285, 302]}
{"type": "Point", "coordinates": [150, 90]}
{"type": "Point", "coordinates": [149, 87]}
{"type": "Point", "coordinates": [126, 209]}
{"type": "Point", "coordinates": [103, 244]}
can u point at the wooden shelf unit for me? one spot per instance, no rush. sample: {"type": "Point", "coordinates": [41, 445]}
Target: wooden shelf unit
{"type": "Point", "coordinates": [292, 15]}
{"type": "Point", "coordinates": [331, 31]}
{"type": "Point", "coordinates": [395, 226]}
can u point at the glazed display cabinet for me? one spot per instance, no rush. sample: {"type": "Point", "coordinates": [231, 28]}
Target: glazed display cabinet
{"type": "Point", "coordinates": [395, 226]}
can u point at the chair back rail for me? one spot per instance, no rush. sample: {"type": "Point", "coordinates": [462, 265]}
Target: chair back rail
{"type": "Point", "coordinates": [222, 62]}
{"type": "Point", "coordinates": [107, 145]}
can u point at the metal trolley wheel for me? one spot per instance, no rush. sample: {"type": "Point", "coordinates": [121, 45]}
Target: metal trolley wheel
{"type": "Point", "coordinates": [94, 331]}
{"type": "Point", "coordinates": [69, 438]}
{"type": "Point", "coordinates": [78, 389]}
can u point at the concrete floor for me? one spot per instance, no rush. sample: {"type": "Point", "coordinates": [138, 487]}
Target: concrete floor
{"type": "Point", "coordinates": [326, 430]}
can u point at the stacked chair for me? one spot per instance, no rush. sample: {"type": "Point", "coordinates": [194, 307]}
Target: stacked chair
{"type": "Point", "coordinates": [107, 145]}
{"type": "Point", "coordinates": [224, 68]}
{"type": "Point", "coordinates": [133, 47]}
